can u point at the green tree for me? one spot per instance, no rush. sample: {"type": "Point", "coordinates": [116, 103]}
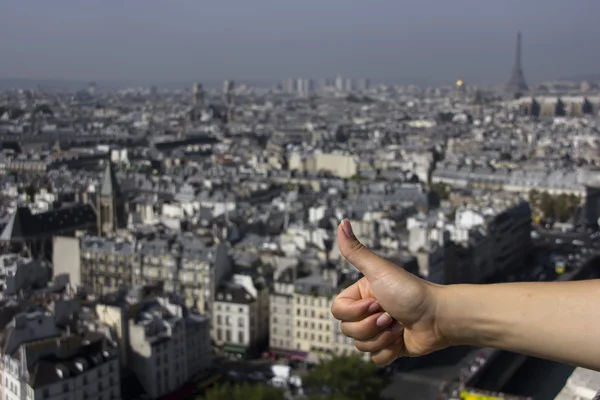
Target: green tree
{"type": "Point", "coordinates": [547, 205]}
{"type": "Point", "coordinates": [345, 378]}
{"type": "Point", "coordinates": [244, 391]}
{"type": "Point", "coordinates": [441, 190]}
{"type": "Point", "coordinates": [534, 198]}
{"type": "Point", "coordinates": [31, 191]}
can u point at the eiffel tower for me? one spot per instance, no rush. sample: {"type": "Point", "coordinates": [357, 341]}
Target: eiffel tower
{"type": "Point", "coordinates": [517, 85]}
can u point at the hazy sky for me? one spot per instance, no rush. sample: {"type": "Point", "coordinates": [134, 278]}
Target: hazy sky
{"type": "Point", "coordinates": [434, 40]}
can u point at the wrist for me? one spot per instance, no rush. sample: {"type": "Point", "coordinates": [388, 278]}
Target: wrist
{"type": "Point", "coordinates": [463, 316]}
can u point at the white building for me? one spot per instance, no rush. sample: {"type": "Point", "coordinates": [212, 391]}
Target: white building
{"type": "Point", "coordinates": [241, 315]}
{"type": "Point", "coordinates": [168, 345]}
{"type": "Point", "coordinates": [69, 368]}
{"type": "Point", "coordinates": [583, 384]}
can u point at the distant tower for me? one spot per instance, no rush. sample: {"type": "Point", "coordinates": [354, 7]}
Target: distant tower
{"type": "Point", "coordinates": [228, 87]}
{"type": "Point", "coordinates": [198, 91]}
{"type": "Point", "coordinates": [460, 88]}
{"type": "Point", "coordinates": [517, 85]}
{"type": "Point", "coordinates": [92, 88]}
{"type": "Point", "coordinates": [111, 203]}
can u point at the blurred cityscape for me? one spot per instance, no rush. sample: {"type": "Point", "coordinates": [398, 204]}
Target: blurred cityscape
{"type": "Point", "coordinates": [160, 241]}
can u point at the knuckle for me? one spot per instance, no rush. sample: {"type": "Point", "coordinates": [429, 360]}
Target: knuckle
{"type": "Point", "coordinates": [362, 346]}
{"type": "Point", "coordinates": [334, 309]}
{"type": "Point", "coordinates": [344, 329]}
{"type": "Point", "coordinates": [354, 250]}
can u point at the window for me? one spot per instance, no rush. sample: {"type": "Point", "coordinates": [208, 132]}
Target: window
{"type": "Point", "coordinates": [228, 336]}
{"type": "Point", "coordinates": [241, 309]}
{"type": "Point", "coordinates": [99, 386]}
{"type": "Point", "coordinates": [219, 334]}
{"type": "Point", "coordinates": [298, 312]}
{"type": "Point", "coordinates": [46, 393]}
{"type": "Point", "coordinates": [85, 381]}
{"type": "Point", "coordinates": [65, 387]}
{"type": "Point", "coordinates": [274, 320]}
{"type": "Point", "coordinates": [240, 322]}
{"type": "Point", "coordinates": [240, 337]}
{"type": "Point", "coordinates": [218, 320]}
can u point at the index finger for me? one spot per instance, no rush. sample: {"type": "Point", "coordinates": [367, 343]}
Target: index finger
{"type": "Point", "coordinates": [350, 307]}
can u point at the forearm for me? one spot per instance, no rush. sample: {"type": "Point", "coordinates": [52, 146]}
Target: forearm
{"type": "Point", "coordinates": [559, 321]}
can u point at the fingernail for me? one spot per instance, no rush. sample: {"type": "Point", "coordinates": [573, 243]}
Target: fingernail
{"type": "Point", "coordinates": [384, 320]}
{"type": "Point", "coordinates": [396, 328]}
{"type": "Point", "coordinates": [373, 308]}
{"type": "Point", "coordinates": [347, 228]}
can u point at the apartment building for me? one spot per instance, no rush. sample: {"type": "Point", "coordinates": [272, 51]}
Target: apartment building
{"type": "Point", "coordinates": [281, 327]}
{"type": "Point", "coordinates": [69, 368]}
{"type": "Point", "coordinates": [240, 317]}
{"type": "Point", "coordinates": [167, 344]}
{"type": "Point", "coordinates": [180, 263]}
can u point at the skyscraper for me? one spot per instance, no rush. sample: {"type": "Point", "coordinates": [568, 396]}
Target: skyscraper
{"type": "Point", "coordinates": [517, 85]}
{"type": "Point", "coordinates": [228, 94]}
{"type": "Point", "coordinates": [198, 92]}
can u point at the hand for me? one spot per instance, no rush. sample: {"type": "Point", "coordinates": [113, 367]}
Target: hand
{"type": "Point", "coordinates": [389, 312]}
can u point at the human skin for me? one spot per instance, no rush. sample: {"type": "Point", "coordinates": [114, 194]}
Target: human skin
{"type": "Point", "coordinates": [392, 313]}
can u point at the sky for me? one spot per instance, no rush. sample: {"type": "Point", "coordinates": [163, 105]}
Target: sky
{"type": "Point", "coordinates": [266, 40]}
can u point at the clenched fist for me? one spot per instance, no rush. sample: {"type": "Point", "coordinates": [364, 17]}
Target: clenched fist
{"type": "Point", "coordinates": [389, 312]}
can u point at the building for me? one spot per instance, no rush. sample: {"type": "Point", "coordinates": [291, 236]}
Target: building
{"type": "Point", "coordinates": [179, 263]}
{"type": "Point", "coordinates": [241, 316]}
{"type": "Point", "coordinates": [111, 203]}
{"type": "Point", "coordinates": [105, 264]}
{"type": "Point", "coordinates": [18, 273]}
{"type": "Point", "coordinates": [68, 368]}
{"type": "Point", "coordinates": [168, 345]}
{"type": "Point", "coordinates": [338, 164]}
{"type": "Point", "coordinates": [583, 384]}
{"type": "Point", "coordinates": [499, 239]}
{"type": "Point", "coordinates": [281, 327]}
{"type": "Point", "coordinates": [316, 333]}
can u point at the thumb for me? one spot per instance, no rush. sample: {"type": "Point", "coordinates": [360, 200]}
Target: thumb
{"type": "Point", "coordinates": [371, 265]}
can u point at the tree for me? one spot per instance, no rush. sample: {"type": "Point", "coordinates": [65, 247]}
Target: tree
{"type": "Point", "coordinates": [31, 191]}
{"type": "Point", "coordinates": [534, 197]}
{"type": "Point", "coordinates": [547, 205]}
{"type": "Point", "coordinates": [345, 378]}
{"type": "Point", "coordinates": [441, 190]}
{"type": "Point", "coordinates": [244, 391]}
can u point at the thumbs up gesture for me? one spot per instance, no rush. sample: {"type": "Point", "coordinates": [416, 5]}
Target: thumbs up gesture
{"type": "Point", "coordinates": [388, 312]}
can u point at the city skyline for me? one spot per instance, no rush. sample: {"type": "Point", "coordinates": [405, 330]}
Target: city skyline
{"type": "Point", "coordinates": [267, 42]}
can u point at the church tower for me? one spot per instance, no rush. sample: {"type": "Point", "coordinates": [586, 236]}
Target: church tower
{"type": "Point", "coordinates": [111, 203]}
